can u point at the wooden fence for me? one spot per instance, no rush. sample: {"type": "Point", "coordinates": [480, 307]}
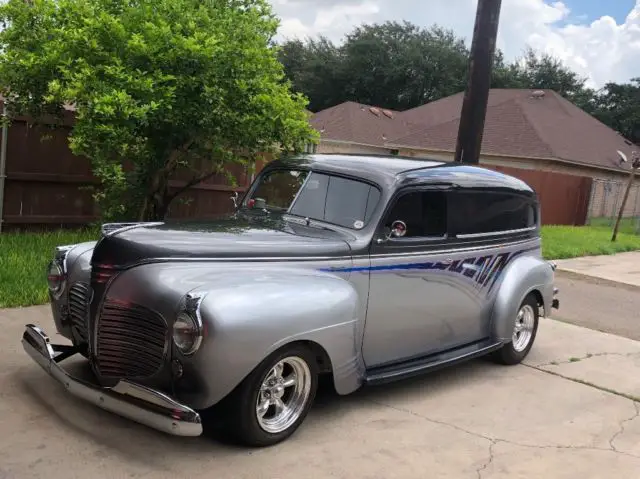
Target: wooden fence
{"type": "Point", "coordinates": [44, 183]}
{"type": "Point", "coordinates": [44, 180]}
{"type": "Point", "coordinates": [564, 199]}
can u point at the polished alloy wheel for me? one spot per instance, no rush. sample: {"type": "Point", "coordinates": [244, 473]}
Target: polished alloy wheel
{"type": "Point", "coordinates": [283, 394]}
{"type": "Point", "coordinates": [523, 331]}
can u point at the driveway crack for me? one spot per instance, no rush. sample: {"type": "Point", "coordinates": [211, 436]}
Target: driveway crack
{"type": "Point", "coordinates": [631, 397]}
{"type": "Point", "coordinates": [582, 358]}
{"type": "Point", "coordinates": [622, 425]}
{"type": "Point", "coordinates": [493, 441]}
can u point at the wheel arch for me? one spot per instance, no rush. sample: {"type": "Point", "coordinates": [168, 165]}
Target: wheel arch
{"type": "Point", "coordinates": [527, 275]}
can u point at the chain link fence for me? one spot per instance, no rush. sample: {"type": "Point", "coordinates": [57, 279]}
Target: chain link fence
{"type": "Point", "coordinates": [606, 200]}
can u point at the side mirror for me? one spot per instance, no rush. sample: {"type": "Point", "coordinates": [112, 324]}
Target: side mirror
{"type": "Point", "coordinates": [398, 229]}
{"type": "Point", "coordinates": [234, 197]}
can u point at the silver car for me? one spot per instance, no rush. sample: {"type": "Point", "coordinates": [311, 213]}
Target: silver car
{"type": "Point", "coordinates": [362, 268]}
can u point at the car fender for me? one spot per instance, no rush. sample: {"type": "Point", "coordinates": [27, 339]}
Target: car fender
{"type": "Point", "coordinates": [524, 275]}
{"type": "Point", "coordinates": [247, 315]}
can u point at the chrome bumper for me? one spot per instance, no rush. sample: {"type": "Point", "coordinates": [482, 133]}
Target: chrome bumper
{"type": "Point", "coordinates": [130, 400]}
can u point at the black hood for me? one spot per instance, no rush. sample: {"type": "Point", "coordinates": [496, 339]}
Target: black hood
{"type": "Point", "coordinates": [235, 236]}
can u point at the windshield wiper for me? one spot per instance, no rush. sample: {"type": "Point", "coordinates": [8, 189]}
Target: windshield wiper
{"type": "Point", "coordinates": [305, 220]}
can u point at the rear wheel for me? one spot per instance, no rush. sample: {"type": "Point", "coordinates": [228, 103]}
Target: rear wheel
{"type": "Point", "coordinates": [272, 402]}
{"type": "Point", "coordinates": [524, 333]}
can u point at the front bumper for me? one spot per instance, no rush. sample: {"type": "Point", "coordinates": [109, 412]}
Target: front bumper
{"type": "Point", "coordinates": [127, 399]}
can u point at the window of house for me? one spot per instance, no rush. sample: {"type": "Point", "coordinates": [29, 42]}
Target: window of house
{"type": "Point", "coordinates": [474, 213]}
{"type": "Point", "coordinates": [424, 213]}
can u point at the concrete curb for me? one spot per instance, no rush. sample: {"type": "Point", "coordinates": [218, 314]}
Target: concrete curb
{"type": "Point", "coordinates": [573, 274]}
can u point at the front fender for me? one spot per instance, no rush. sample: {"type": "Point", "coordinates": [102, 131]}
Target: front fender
{"type": "Point", "coordinates": [250, 314]}
{"type": "Point", "coordinates": [525, 275]}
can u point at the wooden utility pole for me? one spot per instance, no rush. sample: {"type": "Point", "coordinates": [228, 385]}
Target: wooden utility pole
{"type": "Point", "coordinates": [474, 106]}
{"type": "Point", "coordinates": [635, 165]}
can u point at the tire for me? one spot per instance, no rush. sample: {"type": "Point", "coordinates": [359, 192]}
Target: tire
{"type": "Point", "coordinates": [515, 351]}
{"type": "Point", "coordinates": [244, 424]}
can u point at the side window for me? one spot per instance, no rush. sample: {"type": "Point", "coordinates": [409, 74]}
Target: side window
{"type": "Point", "coordinates": [424, 213]}
{"type": "Point", "coordinates": [472, 213]}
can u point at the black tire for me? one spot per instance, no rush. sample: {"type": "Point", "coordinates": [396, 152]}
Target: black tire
{"type": "Point", "coordinates": [508, 354]}
{"type": "Point", "coordinates": [242, 423]}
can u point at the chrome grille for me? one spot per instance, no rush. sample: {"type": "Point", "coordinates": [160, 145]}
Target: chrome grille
{"type": "Point", "coordinates": [78, 310]}
{"type": "Point", "coordinates": [131, 341]}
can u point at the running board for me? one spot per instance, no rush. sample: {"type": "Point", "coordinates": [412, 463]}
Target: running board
{"type": "Point", "coordinates": [415, 367]}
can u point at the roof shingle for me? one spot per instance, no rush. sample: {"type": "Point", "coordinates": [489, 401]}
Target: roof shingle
{"type": "Point", "coordinates": [517, 124]}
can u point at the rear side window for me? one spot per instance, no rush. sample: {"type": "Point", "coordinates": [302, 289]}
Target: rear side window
{"type": "Point", "coordinates": [473, 213]}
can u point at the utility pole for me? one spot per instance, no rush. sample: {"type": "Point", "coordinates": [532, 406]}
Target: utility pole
{"type": "Point", "coordinates": [474, 106]}
{"type": "Point", "coordinates": [635, 165]}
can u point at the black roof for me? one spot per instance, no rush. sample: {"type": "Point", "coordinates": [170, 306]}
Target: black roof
{"type": "Point", "coordinates": [389, 170]}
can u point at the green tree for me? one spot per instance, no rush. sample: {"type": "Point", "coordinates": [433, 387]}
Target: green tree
{"type": "Point", "coordinates": [392, 65]}
{"type": "Point", "coordinates": [618, 106]}
{"type": "Point", "coordinates": [543, 71]}
{"type": "Point", "coordinates": [158, 85]}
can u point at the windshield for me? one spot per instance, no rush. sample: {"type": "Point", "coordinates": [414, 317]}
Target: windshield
{"type": "Point", "coordinates": [317, 196]}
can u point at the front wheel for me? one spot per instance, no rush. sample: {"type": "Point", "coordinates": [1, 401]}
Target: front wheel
{"type": "Point", "coordinates": [524, 333]}
{"type": "Point", "coordinates": [271, 403]}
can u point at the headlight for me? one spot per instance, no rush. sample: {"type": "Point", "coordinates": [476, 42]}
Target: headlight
{"type": "Point", "coordinates": [187, 334]}
{"type": "Point", "coordinates": [55, 279]}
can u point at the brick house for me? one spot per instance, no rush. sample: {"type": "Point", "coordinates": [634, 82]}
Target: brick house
{"type": "Point", "coordinates": [524, 130]}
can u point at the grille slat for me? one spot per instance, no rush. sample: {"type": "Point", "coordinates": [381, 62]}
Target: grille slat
{"type": "Point", "coordinates": [131, 341]}
{"type": "Point", "coordinates": [78, 309]}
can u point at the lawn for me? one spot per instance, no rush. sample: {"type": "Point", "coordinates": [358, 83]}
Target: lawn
{"type": "Point", "coordinates": [23, 261]}
{"type": "Point", "coordinates": [561, 242]}
{"type": "Point", "coordinates": [24, 256]}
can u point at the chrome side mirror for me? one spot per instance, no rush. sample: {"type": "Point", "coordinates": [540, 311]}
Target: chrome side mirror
{"type": "Point", "coordinates": [398, 229]}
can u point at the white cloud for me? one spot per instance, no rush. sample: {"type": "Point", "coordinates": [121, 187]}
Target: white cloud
{"type": "Point", "coordinates": [601, 51]}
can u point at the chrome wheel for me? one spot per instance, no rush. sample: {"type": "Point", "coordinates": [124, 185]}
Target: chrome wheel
{"type": "Point", "coordinates": [283, 394]}
{"type": "Point", "coordinates": [523, 330]}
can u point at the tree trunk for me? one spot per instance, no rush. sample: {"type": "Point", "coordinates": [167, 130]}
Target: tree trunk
{"type": "Point", "coordinates": [156, 204]}
{"type": "Point", "coordinates": [624, 203]}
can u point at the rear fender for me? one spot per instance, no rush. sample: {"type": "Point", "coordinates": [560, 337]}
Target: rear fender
{"type": "Point", "coordinates": [525, 275]}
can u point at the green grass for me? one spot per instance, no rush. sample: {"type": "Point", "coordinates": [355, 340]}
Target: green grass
{"type": "Point", "coordinates": [24, 256]}
{"type": "Point", "coordinates": [23, 262]}
{"type": "Point", "coordinates": [627, 225]}
{"type": "Point", "coordinates": [562, 242]}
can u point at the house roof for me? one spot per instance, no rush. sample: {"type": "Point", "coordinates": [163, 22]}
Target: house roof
{"type": "Point", "coordinates": [358, 123]}
{"type": "Point", "coordinates": [517, 124]}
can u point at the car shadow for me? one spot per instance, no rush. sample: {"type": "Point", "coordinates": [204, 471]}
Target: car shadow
{"type": "Point", "coordinates": [139, 444]}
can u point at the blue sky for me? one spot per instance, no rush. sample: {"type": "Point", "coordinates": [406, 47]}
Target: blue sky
{"type": "Point", "coordinates": [590, 10]}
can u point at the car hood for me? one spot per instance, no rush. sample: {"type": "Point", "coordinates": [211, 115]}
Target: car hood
{"type": "Point", "coordinates": [235, 236]}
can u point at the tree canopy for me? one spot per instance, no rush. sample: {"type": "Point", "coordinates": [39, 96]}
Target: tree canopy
{"type": "Point", "coordinates": [159, 85]}
{"type": "Point", "coordinates": [401, 66]}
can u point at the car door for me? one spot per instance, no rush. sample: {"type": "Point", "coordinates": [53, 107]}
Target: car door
{"type": "Point", "coordinates": [420, 300]}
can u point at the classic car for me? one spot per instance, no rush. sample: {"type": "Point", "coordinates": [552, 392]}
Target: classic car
{"type": "Point", "coordinates": [364, 269]}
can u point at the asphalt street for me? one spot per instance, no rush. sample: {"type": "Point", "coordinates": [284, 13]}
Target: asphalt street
{"type": "Point", "coordinates": [598, 304]}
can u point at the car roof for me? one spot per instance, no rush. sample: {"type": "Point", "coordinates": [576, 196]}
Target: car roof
{"type": "Point", "coordinates": [388, 170]}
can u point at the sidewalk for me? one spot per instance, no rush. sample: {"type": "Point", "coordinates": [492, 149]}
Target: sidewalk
{"type": "Point", "coordinates": [620, 268]}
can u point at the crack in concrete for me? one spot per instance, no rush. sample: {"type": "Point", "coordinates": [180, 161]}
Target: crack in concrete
{"type": "Point", "coordinates": [622, 423]}
{"type": "Point", "coordinates": [582, 358]}
{"type": "Point", "coordinates": [493, 441]}
{"type": "Point", "coordinates": [630, 397]}
{"type": "Point", "coordinates": [489, 461]}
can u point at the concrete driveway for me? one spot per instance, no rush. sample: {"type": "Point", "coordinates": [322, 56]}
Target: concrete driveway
{"type": "Point", "coordinates": [568, 413]}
